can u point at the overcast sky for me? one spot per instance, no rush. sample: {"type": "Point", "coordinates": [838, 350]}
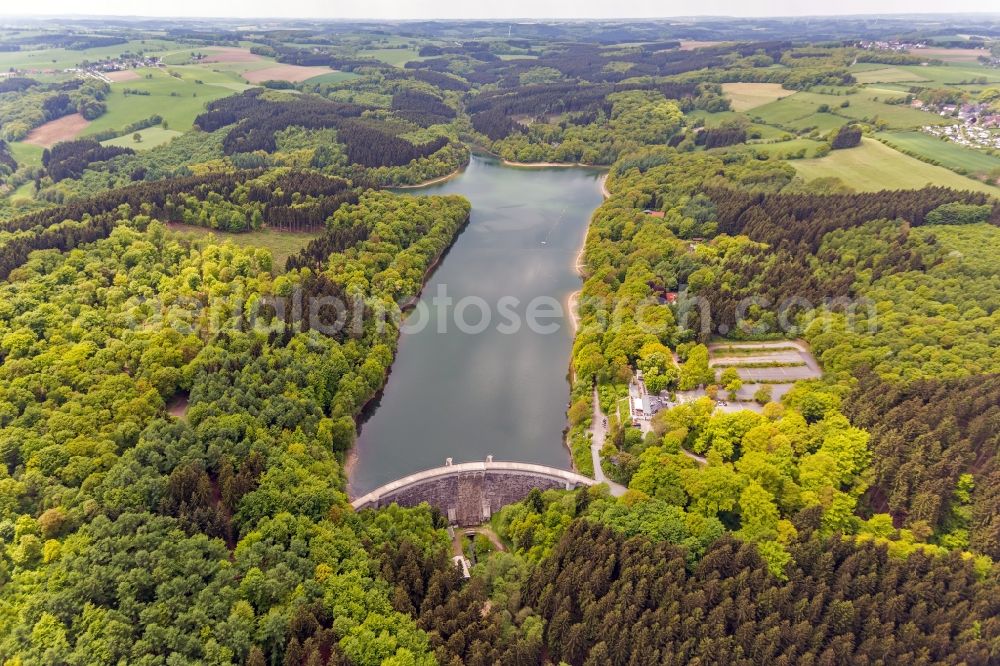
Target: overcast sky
{"type": "Point", "coordinates": [422, 9]}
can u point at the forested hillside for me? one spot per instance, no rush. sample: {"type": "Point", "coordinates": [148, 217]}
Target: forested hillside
{"type": "Point", "coordinates": [241, 498]}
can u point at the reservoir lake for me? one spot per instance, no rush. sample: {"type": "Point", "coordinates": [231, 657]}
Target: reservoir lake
{"type": "Point", "coordinates": [466, 394]}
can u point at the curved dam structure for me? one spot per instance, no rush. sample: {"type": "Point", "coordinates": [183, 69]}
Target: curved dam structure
{"type": "Point", "coordinates": [469, 493]}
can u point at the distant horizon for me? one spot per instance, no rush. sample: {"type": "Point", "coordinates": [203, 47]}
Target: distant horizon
{"type": "Point", "coordinates": [524, 19]}
{"type": "Point", "coordinates": [520, 10]}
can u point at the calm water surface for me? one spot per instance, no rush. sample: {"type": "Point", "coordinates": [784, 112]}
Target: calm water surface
{"type": "Point", "coordinates": [465, 396]}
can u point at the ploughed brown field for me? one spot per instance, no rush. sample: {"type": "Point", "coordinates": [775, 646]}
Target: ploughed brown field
{"type": "Point", "coordinates": [230, 54]}
{"type": "Point", "coordinates": [122, 76]}
{"type": "Point", "coordinates": [54, 131]}
{"type": "Point", "coordinates": [293, 73]}
{"type": "Point", "coordinates": [951, 55]}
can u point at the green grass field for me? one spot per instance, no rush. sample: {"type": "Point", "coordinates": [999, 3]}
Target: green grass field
{"type": "Point", "coordinates": [784, 148]}
{"type": "Point", "coordinates": [745, 96]}
{"type": "Point", "coordinates": [874, 166]}
{"type": "Point", "coordinates": [151, 138]}
{"type": "Point", "coordinates": [333, 77]}
{"type": "Point", "coordinates": [948, 153]}
{"type": "Point", "coordinates": [26, 154]}
{"type": "Point", "coordinates": [960, 75]}
{"type": "Point", "coordinates": [178, 100]}
{"type": "Point", "coordinates": [394, 57]}
{"type": "Point", "coordinates": [716, 119]}
{"type": "Point", "coordinates": [801, 111]}
{"type": "Point", "coordinates": [282, 244]}
{"type": "Point", "coordinates": [797, 112]}
{"type": "Point", "coordinates": [884, 74]}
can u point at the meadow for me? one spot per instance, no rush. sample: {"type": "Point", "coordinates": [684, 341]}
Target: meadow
{"type": "Point", "coordinates": [395, 57]}
{"type": "Point", "coordinates": [281, 244]}
{"type": "Point", "coordinates": [151, 138]}
{"type": "Point", "coordinates": [883, 74]}
{"type": "Point", "coordinates": [874, 166]}
{"type": "Point", "coordinates": [802, 110]}
{"type": "Point", "coordinates": [745, 96]}
{"type": "Point", "coordinates": [786, 148]}
{"type": "Point", "coordinates": [959, 75]}
{"type": "Point", "coordinates": [948, 153]}
{"type": "Point", "coordinates": [796, 112]}
{"type": "Point", "coordinates": [178, 99]}
{"type": "Point", "coordinates": [716, 119]}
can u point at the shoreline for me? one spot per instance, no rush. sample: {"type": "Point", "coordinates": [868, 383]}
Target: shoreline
{"type": "Point", "coordinates": [572, 301]}
{"type": "Point", "coordinates": [545, 165]}
{"type": "Point", "coordinates": [432, 181]}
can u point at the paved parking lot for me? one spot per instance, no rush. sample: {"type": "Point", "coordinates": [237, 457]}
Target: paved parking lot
{"type": "Point", "coordinates": [805, 366]}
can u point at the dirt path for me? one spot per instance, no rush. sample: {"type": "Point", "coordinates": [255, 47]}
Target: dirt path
{"type": "Point", "coordinates": [701, 460]}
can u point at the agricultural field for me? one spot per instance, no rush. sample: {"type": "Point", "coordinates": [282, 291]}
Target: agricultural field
{"type": "Point", "coordinates": [293, 73]}
{"type": "Point", "coordinates": [395, 57]}
{"type": "Point", "coordinates": [178, 99]}
{"type": "Point", "coordinates": [333, 76]}
{"type": "Point", "coordinates": [745, 96]}
{"type": "Point", "coordinates": [948, 153]}
{"type": "Point", "coordinates": [802, 110]}
{"type": "Point", "coordinates": [796, 112]}
{"type": "Point", "coordinates": [786, 148]}
{"type": "Point", "coordinates": [54, 131]}
{"type": "Point", "coordinates": [767, 132]}
{"type": "Point", "coordinates": [952, 55]}
{"type": "Point", "coordinates": [964, 76]}
{"type": "Point", "coordinates": [883, 74]}
{"type": "Point", "coordinates": [873, 166]}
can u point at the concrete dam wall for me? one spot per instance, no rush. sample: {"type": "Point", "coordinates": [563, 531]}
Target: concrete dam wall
{"type": "Point", "coordinates": [469, 493]}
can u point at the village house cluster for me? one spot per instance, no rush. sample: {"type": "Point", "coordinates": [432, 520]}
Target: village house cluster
{"type": "Point", "coordinates": [95, 70]}
{"type": "Point", "coordinates": [101, 68]}
{"type": "Point", "coordinates": [978, 126]}
{"type": "Point", "coordinates": [971, 135]}
{"type": "Point", "coordinates": [899, 47]}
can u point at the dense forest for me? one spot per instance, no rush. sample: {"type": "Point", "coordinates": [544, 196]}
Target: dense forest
{"type": "Point", "coordinates": [367, 142]}
{"type": "Point", "coordinates": [212, 490]}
